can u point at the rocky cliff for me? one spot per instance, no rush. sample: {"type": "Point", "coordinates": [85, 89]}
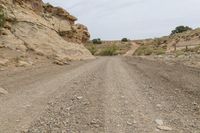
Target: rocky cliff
{"type": "Point", "coordinates": [34, 28]}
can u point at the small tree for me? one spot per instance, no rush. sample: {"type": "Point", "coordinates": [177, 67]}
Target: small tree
{"type": "Point", "coordinates": [180, 29]}
{"type": "Point", "coordinates": [124, 40]}
{"type": "Point", "coordinates": [96, 41]}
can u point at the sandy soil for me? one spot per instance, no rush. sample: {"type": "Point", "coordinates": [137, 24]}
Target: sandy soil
{"type": "Point", "coordinates": [106, 95]}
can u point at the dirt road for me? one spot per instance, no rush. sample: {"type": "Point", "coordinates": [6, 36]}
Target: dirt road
{"type": "Point", "coordinates": [106, 95]}
{"type": "Point", "coordinates": [134, 47]}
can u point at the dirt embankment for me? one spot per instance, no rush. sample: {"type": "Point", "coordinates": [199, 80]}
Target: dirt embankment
{"type": "Point", "coordinates": [110, 94]}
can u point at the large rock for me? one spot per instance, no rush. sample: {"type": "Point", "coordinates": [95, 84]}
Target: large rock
{"type": "Point", "coordinates": [47, 42]}
{"type": "Point", "coordinates": [44, 30]}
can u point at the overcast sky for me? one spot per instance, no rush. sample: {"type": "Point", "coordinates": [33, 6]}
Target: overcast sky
{"type": "Point", "coordinates": [134, 19]}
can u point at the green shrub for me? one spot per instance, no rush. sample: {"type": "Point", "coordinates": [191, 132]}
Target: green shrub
{"type": "Point", "coordinates": [2, 18]}
{"type": "Point", "coordinates": [92, 49]}
{"type": "Point", "coordinates": [109, 51]}
{"type": "Point", "coordinates": [180, 29]}
{"type": "Point", "coordinates": [97, 41]}
{"type": "Point", "coordinates": [124, 40]}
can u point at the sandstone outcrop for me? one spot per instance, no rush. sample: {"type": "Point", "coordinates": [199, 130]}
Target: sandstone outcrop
{"type": "Point", "coordinates": [41, 29]}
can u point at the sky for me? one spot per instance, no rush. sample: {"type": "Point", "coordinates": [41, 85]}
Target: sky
{"type": "Point", "coordinates": [133, 19]}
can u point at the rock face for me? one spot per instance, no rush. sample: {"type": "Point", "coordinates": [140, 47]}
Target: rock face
{"type": "Point", "coordinates": [34, 27]}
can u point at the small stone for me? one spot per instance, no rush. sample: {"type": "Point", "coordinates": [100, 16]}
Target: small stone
{"type": "Point", "coordinates": [122, 96]}
{"type": "Point", "coordinates": [79, 97]}
{"type": "Point", "coordinates": [194, 103]}
{"type": "Point", "coordinates": [159, 105]}
{"type": "Point", "coordinates": [69, 108]}
{"type": "Point", "coordinates": [3, 62]}
{"type": "Point", "coordinates": [129, 123]}
{"type": "Point", "coordinates": [22, 64]}
{"type": "Point", "coordinates": [159, 122]}
{"type": "Point", "coordinates": [61, 62]}
{"type": "Point", "coordinates": [1, 69]}
{"type": "Point", "coordinates": [25, 130]}
{"type": "Point", "coordinates": [86, 103]}
{"type": "Point", "coordinates": [3, 91]}
{"type": "Point", "coordinates": [165, 128]}
{"type": "Point", "coordinates": [134, 122]}
{"type": "Point", "coordinates": [27, 106]}
{"type": "Point", "coordinates": [93, 122]}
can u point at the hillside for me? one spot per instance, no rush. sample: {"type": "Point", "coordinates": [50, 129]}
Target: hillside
{"type": "Point", "coordinates": [187, 41]}
{"type": "Point", "coordinates": [34, 30]}
{"type": "Point", "coordinates": [183, 48]}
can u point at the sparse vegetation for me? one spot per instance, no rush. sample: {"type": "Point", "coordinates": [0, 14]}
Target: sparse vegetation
{"type": "Point", "coordinates": [109, 51]}
{"type": "Point", "coordinates": [194, 50]}
{"type": "Point", "coordinates": [150, 50]}
{"type": "Point", "coordinates": [92, 49]}
{"type": "Point", "coordinates": [152, 47]}
{"type": "Point", "coordinates": [179, 53]}
{"type": "Point", "coordinates": [124, 40]}
{"type": "Point", "coordinates": [97, 41]}
{"type": "Point", "coordinates": [180, 29]}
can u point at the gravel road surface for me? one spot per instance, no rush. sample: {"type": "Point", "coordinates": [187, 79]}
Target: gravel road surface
{"type": "Point", "coordinates": [106, 95]}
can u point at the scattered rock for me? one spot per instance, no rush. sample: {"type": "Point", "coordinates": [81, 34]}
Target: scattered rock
{"type": "Point", "coordinates": [159, 122]}
{"type": "Point", "coordinates": [96, 123]}
{"type": "Point", "coordinates": [28, 106]}
{"type": "Point", "coordinates": [22, 64]}
{"type": "Point", "coordinates": [165, 128]}
{"type": "Point", "coordinates": [194, 103]}
{"type": "Point", "coordinates": [3, 91]}
{"type": "Point", "coordinates": [129, 123]}
{"type": "Point", "coordinates": [134, 122]}
{"type": "Point", "coordinates": [86, 103]}
{"type": "Point", "coordinates": [59, 62]}
{"type": "Point", "coordinates": [79, 97]}
{"type": "Point", "coordinates": [1, 69]}
{"type": "Point", "coordinates": [3, 62]}
{"type": "Point", "coordinates": [159, 105]}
